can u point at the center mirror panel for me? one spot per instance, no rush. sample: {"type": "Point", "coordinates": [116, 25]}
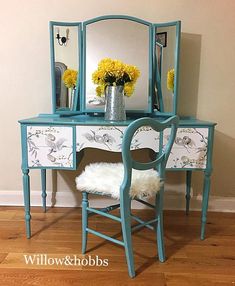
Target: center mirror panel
{"type": "Point", "coordinates": [127, 41]}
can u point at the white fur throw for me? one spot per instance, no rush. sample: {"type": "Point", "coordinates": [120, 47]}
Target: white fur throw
{"type": "Point", "coordinates": [106, 179]}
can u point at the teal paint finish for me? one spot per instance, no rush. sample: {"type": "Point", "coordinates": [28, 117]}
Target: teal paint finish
{"type": "Point", "coordinates": [150, 82]}
{"type": "Point", "coordinates": [44, 193]}
{"type": "Point", "coordinates": [80, 71]}
{"type": "Point", "coordinates": [83, 78]}
{"type": "Point", "coordinates": [177, 25]}
{"type": "Point", "coordinates": [105, 236]}
{"type": "Point", "coordinates": [210, 148]}
{"type": "Point", "coordinates": [26, 190]}
{"type": "Point", "coordinates": [205, 200]}
{"type": "Point", "coordinates": [84, 119]}
{"type": "Point", "coordinates": [71, 118]}
{"type": "Point", "coordinates": [85, 205]}
{"type": "Point", "coordinates": [125, 212]}
{"type": "Point", "coordinates": [52, 67]}
{"type": "Point", "coordinates": [143, 223]}
{"type": "Point", "coordinates": [80, 104]}
{"type": "Point", "coordinates": [124, 17]}
{"type": "Point", "coordinates": [87, 120]}
{"type": "Point", "coordinates": [77, 98]}
{"type": "Point", "coordinates": [76, 106]}
{"type": "Point", "coordinates": [158, 163]}
{"type": "Point", "coordinates": [24, 152]}
{"type": "Point", "coordinates": [207, 182]}
{"type": "Point", "coordinates": [159, 228]}
{"type": "Point", "coordinates": [177, 61]}
{"type": "Point", "coordinates": [26, 180]}
{"type": "Point", "coordinates": [151, 69]}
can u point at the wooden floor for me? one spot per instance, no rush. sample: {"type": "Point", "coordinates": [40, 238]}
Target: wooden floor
{"type": "Point", "coordinates": [57, 235]}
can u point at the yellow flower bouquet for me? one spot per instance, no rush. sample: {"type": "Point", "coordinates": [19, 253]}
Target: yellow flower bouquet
{"type": "Point", "coordinates": [170, 80]}
{"type": "Point", "coordinates": [113, 73]}
{"type": "Point", "coordinates": [70, 78]}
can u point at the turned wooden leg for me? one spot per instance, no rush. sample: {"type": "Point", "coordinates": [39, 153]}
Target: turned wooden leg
{"type": "Point", "coordinates": [188, 190]}
{"type": "Point", "coordinates": [44, 193]}
{"type": "Point", "coordinates": [26, 190]}
{"type": "Point", "coordinates": [85, 205]}
{"type": "Point", "coordinates": [205, 199]}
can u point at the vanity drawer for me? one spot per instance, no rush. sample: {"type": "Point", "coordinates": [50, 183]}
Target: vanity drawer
{"type": "Point", "coordinates": [189, 149]}
{"type": "Point", "coordinates": [51, 147]}
{"type": "Point", "coordinates": [110, 138]}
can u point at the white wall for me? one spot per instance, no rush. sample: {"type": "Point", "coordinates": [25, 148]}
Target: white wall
{"type": "Point", "coordinates": [207, 73]}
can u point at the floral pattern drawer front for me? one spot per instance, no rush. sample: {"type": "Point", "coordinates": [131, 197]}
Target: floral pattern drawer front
{"type": "Point", "coordinates": [110, 138]}
{"type": "Point", "coordinates": [50, 146]}
{"type": "Point", "coordinates": [189, 149]}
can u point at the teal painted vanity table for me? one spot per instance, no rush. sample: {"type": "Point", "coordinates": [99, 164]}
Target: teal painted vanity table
{"type": "Point", "coordinates": [51, 141]}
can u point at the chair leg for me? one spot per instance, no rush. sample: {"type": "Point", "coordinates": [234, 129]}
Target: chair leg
{"type": "Point", "coordinates": [85, 204]}
{"type": "Point", "coordinates": [159, 229]}
{"type": "Point", "coordinates": [125, 211]}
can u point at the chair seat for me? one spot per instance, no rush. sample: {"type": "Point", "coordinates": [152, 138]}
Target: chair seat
{"type": "Point", "coordinates": [106, 179]}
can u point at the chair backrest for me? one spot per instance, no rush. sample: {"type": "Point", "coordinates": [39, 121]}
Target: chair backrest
{"type": "Point", "coordinates": [159, 163]}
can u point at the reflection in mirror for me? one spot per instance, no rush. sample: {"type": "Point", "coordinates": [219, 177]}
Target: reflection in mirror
{"type": "Point", "coordinates": [124, 40]}
{"type": "Point", "coordinates": [166, 51]}
{"type": "Point", "coordinates": [66, 62]}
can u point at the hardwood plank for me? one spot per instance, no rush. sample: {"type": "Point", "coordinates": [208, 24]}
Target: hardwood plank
{"type": "Point", "coordinates": [12, 277]}
{"type": "Point", "coordinates": [202, 279]}
{"type": "Point", "coordinates": [57, 234]}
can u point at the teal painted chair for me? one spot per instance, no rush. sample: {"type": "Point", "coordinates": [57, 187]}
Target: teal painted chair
{"type": "Point", "coordinates": [127, 181]}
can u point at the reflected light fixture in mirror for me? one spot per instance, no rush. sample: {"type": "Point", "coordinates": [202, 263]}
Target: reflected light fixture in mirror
{"type": "Point", "coordinates": [62, 41]}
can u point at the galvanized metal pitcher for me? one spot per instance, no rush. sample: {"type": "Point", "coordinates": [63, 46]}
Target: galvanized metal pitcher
{"type": "Point", "coordinates": [115, 103]}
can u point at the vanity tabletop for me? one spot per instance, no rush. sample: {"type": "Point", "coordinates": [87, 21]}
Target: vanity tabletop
{"type": "Point", "coordinates": [99, 120]}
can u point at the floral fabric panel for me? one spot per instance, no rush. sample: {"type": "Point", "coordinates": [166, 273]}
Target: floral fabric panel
{"type": "Point", "coordinates": [110, 138]}
{"type": "Point", "coordinates": [189, 149]}
{"type": "Point", "coordinates": [50, 146]}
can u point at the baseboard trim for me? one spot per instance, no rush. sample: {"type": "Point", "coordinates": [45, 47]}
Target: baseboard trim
{"type": "Point", "coordinates": [172, 201]}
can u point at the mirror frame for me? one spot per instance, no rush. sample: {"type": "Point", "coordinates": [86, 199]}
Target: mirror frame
{"type": "Point", "coordinates": [77, 100]}
{"type": "Point", "coordinates": [154, 77]}
{"type": "Point", "coordinates": [157, 79]}
{"type": "Point", "coordinates": [150, 61]}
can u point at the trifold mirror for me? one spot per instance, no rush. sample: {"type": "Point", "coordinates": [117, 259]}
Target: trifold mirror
{"type": "Point", "coordinates": [77, 49]}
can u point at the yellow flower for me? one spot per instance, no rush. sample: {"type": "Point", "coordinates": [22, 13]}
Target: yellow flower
{"type": "Point", "coordinates": [115, 72]}
{"type": "Point", "coordinates": [170, 80]}
{"type": "Point", "coordinates": [100, 90]}
{"type": "Point", "coordinates": [129, 89]}
{"type": "Point", "coordinates": [133, 72]}
{"type": "Point", "coordinates": [70, 78]}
